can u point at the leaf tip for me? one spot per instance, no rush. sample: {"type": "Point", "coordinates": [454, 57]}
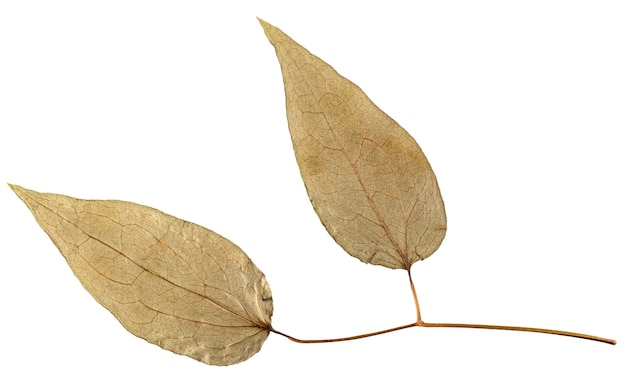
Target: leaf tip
{"type": "Point", "coordinates": [24, 194]}
{"type": "Point", "coordinates": [263, 23]}
{"type": "Point", "coordinates": [272, 33]}
{"type": "Point", "coordinates": [17, 189]}
{"type": "Point", "coordinates": [267, 27]}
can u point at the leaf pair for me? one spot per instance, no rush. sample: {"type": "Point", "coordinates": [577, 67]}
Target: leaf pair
{"type": "Point", "coordinates": [190, 290]}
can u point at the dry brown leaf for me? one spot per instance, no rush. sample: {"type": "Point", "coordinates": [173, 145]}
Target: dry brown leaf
{"type": "Point", "coordinates": [169, 281]}
{"type": "Point", "coordinates": [367, 178]}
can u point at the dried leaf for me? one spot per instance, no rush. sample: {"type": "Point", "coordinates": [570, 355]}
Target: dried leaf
{"type": "Point", "coordinates": [367, 178]}
{"type": "Point", "coordinates": [169, 281]}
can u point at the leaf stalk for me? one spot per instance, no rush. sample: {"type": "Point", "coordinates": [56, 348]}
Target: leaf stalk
{"type": "Point", "coordinates": [420, 322]}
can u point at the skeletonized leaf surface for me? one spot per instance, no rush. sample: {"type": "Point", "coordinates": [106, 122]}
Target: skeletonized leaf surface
{"type": "Point", "coordinates": [368, 180]}
{"type": "Point", "coordinates": [169, 281]}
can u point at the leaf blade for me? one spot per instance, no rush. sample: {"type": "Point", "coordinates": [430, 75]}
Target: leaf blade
{"type": "Point", "coordinates": [367, 178]}
{"type": "Point", "coordinates": [168, 281]}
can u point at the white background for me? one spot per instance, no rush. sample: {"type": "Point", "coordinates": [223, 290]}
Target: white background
{"type": "Point", "coordinates": [179, 105]}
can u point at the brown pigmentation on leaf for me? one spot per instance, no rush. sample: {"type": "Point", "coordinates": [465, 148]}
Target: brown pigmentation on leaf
{"type": "Point", "coordinates": [368, 180]}
{"type": "Point", "coordinates": [168, 281]}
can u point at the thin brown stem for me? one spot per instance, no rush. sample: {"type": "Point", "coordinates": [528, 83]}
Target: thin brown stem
{"type": "Point", "coordinates": [501, 327]}
{"type": "Point", "coordinates": [419, 322]}
{"type": "Point", "coordinates": [417, 304]}
{"type": "Point", "coordinates": [345, 338]}
{"type": "Point", "coordinates": [520, 329]}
